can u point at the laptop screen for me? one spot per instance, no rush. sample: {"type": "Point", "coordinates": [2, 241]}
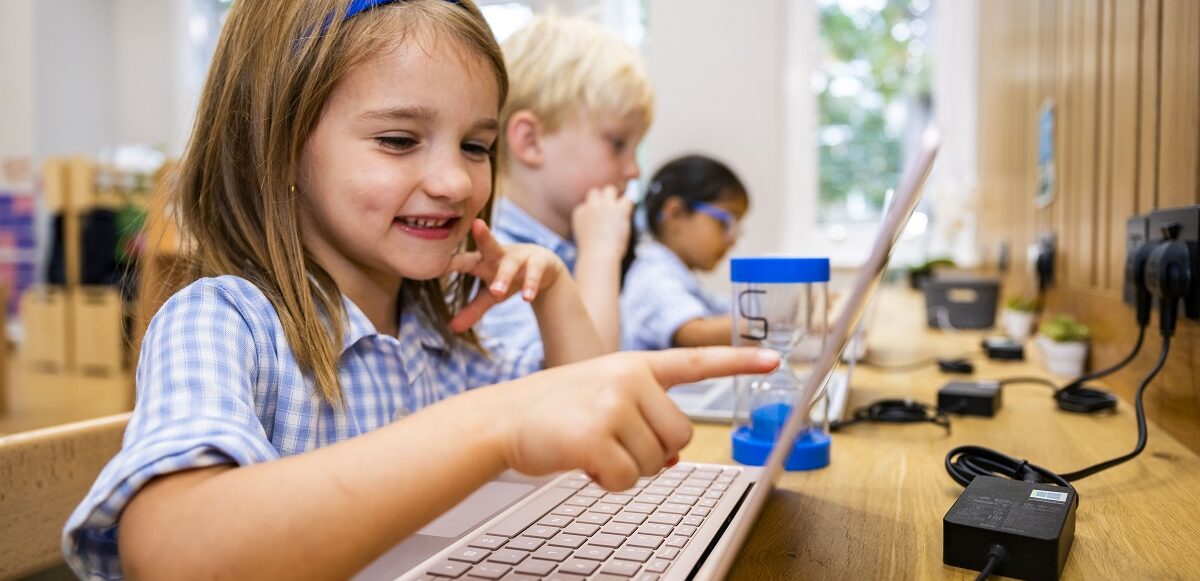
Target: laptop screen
{"type": "Point", "coordinates": [897, 215]}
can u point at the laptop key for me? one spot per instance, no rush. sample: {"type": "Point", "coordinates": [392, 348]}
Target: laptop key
{"type": "Point", "coordinates": [621, 499]}
{"type": "Point", "coordinates": [540, 532]}
{"type": "Point", "coordinates": [593, 518]}
{"type": "Point", "coordinates": [693, 520]}
{"type": "Point", "coordinates": [713, 494]}
{"type": "Point", "coordinates": [668, 482]}
{"type": "Point", "coordinates": [565, 540]}
{"type": "Point", "coordinates": [470, 555]}
{"type": "Point", "coordinates": [623, 568]}
{"type": "Point", "coordinates": [662, 490]}
{"type": "Point", "coordinates": [488, 542]}
{"type": "Point", "coordinates": [530, 513]}
{"type": "Point", "coordinates": [508, 556]}
{"type": "Point", "coordinates": [651, 498]}
{"type": "Point", "coordinates": [584, 501]}
{"type": "Point", "coordinates": [677, 541]}
{"type": "Point", "coordinates": [525, 544]}
{"type": "Point", "coordinates": [647, 577]}
{"type": "Point", "coordinates": [667, 553]}
{"type": "Point", "coordinates": [556, 554]}
{"type": "Point", "coordinates": [584, 529]}
{"type": "Point", "coordinates": [691, 490]}
{"type": "Point", "coordinates": [671, 508]}
{"type": "Point", "coordinates": [658, 565]}
{"type": "Point", "coordinates": [630, 518]}
{"type": "Point", "coordinates": [634, 554]}
{"type": "Point", "coordinates": [593, 552]}
{"type": "Point", "coordinates": [645, 541]}
{"type": "Point", "coordinates": [568, 510]}
{"type": "Point", "coordinates": [489, 570]}
{"type": "Point", "coordinates": [664, 519]}
{"type": "Point", "coordinates": [605, 540]}
{"type": "Point", "coordinates": [685, 530]}
{"type": "Point", "coordinates": [578, 567]}
{"type": "Point", "coordinates": [592, 492]}
{"type": "Point", "coordinates": [700, 511]}
{"type": "Point", "coordinates": [706, 502]}
{"type": "Point", "coordinates": [536, 567]}
{"type": "Point", "coordinates": [619, 528]}
{"type": "Point", "coordinates": [449, 569]}
{"type": "Point", "coordinates": [658, 530]}
{"type": "Point", "coordinates": [555, 520]}
{"type": "Point", "coordinates": [606, 508]}
{"type": "Point", "coordinates": [682, 499]}
{"type": "Point", "coordinates": [641, 507]}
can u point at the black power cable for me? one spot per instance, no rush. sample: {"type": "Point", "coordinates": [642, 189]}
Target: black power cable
{"type": "Point", "coordinates": [896, 411]}
{"type": "Point", "coordinates": [964, 463]}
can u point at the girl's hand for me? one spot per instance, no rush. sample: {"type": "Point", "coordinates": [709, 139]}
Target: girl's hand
{"type": "Point", "coordinates": [609, 416]}
{"type": "Point", "coordinates": [602, 222]}
{"type": "Point", "coordinates": [504, 269]}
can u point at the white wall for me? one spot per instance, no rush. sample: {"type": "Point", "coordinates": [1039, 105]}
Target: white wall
{"type": "Point", "coordinates": [16, 79]}
{"type": "Point", "coordinates": [74, 67]}
{"type": "Point", "coordinates": [718, 69]}
{"type": "Point", "coordinates": [152, 105]}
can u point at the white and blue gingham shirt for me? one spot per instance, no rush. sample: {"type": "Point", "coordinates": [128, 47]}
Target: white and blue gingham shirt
{"type": "Point", "coordinates": [218, 384]}
{"type": "Point", "coordinates": [660, 295]}
{"type": "Point", "coordinates": [514, 319]}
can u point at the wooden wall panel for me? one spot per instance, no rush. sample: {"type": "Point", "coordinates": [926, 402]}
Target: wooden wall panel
{"type": "Point", "coordinates": [1125, 77]}
{"type": "Point", "coordinates": [1181, 99]}
{"type": "Point", "coordinates": [1150, 26]}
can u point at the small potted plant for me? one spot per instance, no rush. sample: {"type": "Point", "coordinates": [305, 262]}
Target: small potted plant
{"type": "Point", "coordinates": [1063, 342]}
{"type": "Point", "coordinates": [919, 273]}
{"type": "Point", "coordinates": [1018, 316]}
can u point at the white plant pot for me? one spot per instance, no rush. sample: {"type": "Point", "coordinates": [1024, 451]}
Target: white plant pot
{"type": "Point", "coordinates": [1017, 324]}
{"type": "Point", "coordinates": [1063, 359]}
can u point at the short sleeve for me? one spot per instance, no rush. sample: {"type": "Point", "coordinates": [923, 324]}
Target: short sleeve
{"type": "Point", "coordinates": [514, 323]}
{"type": "Point", "coordinates": [499, 363]}
{"type": "Point", "coordinates": [195, 408]}
{"type": "Point", "coordinates": [654, 306]}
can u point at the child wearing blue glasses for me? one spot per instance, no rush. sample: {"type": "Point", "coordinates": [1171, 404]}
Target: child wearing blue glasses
{"type": "Point", "coordinates": [318, 394]}
{"type": "Point", "coordinates": [693, 210]}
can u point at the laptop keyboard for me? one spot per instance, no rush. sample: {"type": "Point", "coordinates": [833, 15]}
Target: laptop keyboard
{"type": "Point", "coordinates": [577, 530]}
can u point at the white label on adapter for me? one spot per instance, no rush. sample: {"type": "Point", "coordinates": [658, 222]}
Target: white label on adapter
{"type": "Point", "coordinates": [1049, 495]}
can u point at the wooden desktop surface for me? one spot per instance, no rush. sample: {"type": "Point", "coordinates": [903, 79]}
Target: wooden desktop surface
{"type": "Point", "coordinates": [876, 511]}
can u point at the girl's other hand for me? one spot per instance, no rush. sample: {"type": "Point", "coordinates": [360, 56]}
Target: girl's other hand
{"type": "Point", "coordinates": [609, 416]}
{"type": "Point", "coordinates": [602, 221]}
{"type": "Point", "coordinates": [504, 270]}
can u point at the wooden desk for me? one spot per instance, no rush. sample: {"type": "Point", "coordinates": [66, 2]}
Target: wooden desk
{"type": "Point", "coordinates": [876, 511]}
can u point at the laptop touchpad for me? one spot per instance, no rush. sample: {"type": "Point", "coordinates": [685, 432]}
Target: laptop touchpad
{"type": "Point", "coordinates": [480, 505]}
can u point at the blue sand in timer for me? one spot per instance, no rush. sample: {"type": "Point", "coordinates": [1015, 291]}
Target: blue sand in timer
{"type": "Point", "coordinates": [779, 303]}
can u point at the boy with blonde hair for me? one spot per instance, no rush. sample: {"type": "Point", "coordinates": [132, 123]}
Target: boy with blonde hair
{"type": "Point", "coordinates": [579, 103]}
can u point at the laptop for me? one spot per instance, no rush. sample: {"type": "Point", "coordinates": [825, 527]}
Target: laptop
{"type": "Point", "coordinates": [687, 522]}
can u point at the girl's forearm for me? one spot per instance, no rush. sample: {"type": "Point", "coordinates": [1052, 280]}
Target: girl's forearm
{"type": "Point", "coordinates": [568, 332]}
{"type": "Point", "coordinates": [320, 515]}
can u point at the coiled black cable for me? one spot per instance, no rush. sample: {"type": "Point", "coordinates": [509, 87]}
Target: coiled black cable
{"type": "Point", "coordinates": [964, 463]}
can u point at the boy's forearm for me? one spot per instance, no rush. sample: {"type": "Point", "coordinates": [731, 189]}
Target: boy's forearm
{"type": "Point", "coordinates": [320, 515]}
{"type": "Point", "coordinates": [568, 332]}
{"type": "Point", "coordinates": [598, 276]}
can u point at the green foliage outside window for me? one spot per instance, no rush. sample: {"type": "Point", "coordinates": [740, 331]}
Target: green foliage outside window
{"type": "Point", "coordinates": [874, 74]}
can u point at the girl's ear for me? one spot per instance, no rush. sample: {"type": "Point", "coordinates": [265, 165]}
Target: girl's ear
{"type": "Point", "coordinates": [524, 136]}
{"type": "Point", "coordinates": [673, 207]}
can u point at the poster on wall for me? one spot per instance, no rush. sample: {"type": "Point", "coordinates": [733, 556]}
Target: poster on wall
{"type": "Point", "coordinates": [1045, 160]}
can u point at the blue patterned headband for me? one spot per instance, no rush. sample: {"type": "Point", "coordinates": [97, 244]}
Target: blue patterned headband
{"type": "Point", "coordinates": [359, 6]}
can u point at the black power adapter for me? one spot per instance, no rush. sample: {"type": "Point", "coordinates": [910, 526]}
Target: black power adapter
{"type": "Point", "coordinates": [970, 398]}
{"type": "Point", "coordinates": [1003, 349]}
{"type": "Point", "coordinates": [1019, 529]}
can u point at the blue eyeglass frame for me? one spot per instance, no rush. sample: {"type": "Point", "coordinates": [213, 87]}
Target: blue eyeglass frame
{"type": "Point", "coordinates": [359, 6]}
{"type": "Point", "coordinates": [728, 220]}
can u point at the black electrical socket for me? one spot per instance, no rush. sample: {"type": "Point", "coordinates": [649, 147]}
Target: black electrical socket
{"type": "Point", "coordinates": [1187, 220]}
{"type": "Point", "coordinates": [1041, 259]}
{"type": "Point", "coordinates": [1137, 233]}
